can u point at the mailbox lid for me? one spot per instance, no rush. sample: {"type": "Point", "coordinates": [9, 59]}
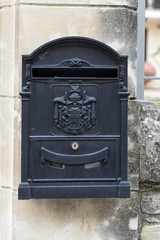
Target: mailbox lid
{"type": "Point", "coordinates": [98, 163]}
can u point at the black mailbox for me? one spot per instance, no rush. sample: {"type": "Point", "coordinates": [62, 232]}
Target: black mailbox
{"type": "Point", "coordinates": [74, 121]}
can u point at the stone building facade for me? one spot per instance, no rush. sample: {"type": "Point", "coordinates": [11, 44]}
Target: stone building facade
{"type": "Point", "coordinates": [24, 26]}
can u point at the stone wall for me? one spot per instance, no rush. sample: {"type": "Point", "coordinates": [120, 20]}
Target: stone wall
{"type": "Point", "coordinates": [24, 26]}
{"type": "Point", "coordinates": [144, 164]}
{"type": "Point", "coordinates": [150, 171]}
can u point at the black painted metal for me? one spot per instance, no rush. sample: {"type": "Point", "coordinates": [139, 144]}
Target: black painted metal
{"type": "Point", "coordinates": [74, 121]}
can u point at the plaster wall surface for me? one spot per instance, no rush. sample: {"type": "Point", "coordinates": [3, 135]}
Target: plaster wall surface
{"type": "Point", "coordinates": [25, 25]}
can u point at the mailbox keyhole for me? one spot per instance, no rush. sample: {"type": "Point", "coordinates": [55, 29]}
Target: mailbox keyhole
{"type": "Point", "coordinates": [75, 146]}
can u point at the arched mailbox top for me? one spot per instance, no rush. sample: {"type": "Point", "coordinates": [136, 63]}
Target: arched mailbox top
{"type": "Point", "coordinates": [91, 50]}
{"type": "Point", "coordinates": [75, 57]}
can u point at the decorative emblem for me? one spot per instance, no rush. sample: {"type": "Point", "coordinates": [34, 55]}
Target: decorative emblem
{"type": "Point", "coordinates": [75, 111]}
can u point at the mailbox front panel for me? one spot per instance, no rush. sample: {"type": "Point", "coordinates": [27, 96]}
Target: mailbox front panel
{"type": "Point", "coordinates": [74, 121]}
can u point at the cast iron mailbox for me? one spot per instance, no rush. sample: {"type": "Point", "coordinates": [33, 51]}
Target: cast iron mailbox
{"type": "Point", "coordinates": [74, 121]}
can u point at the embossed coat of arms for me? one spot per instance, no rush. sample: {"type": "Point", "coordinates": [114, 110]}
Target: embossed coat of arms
{"type": "Point", "coordinates": [75, 111]}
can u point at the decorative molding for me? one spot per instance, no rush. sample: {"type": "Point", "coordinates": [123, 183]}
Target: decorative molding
{"type": "Point", "coordinates": [121, 72]}
{"type": "Point", "coordinates": [123, 91]}
{"type": "Point", "coordinates": [75, 62]}
{"type": "Point", "coordinates": [26, 90]}
{"type": "Point", "coordinates": [72, 40]}
{"type": "Point", "coordinates": [28, 72]}
{"type": "Point", "coordinates": [123, 88]}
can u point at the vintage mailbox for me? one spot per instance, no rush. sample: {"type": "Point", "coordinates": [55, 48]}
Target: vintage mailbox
{"type": "Point", "coordinates": [74, 121]}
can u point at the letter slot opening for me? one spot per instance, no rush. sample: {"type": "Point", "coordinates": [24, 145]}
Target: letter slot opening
{"type": "Point", "coordinates": [74, 72]}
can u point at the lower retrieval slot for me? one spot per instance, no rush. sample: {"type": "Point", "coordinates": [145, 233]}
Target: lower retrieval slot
{"type": "Point", "coordinates": [54, 165]}
{"type": "Point", "coordinates": [62, 166]}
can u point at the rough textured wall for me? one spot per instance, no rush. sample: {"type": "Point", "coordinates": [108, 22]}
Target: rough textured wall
{"type": "Point", "coordinates": [144, 164]}
{"type": "Point", "coordinates": [25, 25]}
{"type": "Point", "coordinates": [150, 171]}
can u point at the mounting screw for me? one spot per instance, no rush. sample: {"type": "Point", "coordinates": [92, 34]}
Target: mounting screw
{"type": "Point", "coordinates": [75, 145]}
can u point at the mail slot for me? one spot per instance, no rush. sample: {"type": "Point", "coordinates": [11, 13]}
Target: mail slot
{"type": "Point", "coordinates": [74, 121]}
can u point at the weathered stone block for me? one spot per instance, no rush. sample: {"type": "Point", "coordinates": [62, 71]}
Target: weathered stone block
{"type": "Point", "coordinates": [134, 181]}
{"type": "Point", "coordinates": [150, 143]}
{"type": "Point", "coordinates": [143, 144]}
{"type": "Point", "coordinates": [73, 219]}
{"type": "Point", "coordinates": [7, 2]}
{"type": "Point", "coordinates": [133, 144]}
{"type": "Point", "coordinates": [149, 220]}
{"type": "Point", "coordinates": [17, 144]}
{"type": "Point", "coordinates": [0, 36]}
{"type": "Point", "coordinates": [6, 141]}
{"type": "Point", "coordinates": [6, 214]}
{"type": "Point", "coordinates": [151, 233]}
{"type": "Point", "coordinates": [7, 49]}
{"type": "Point", "coordinates": [150, 202]}
{"type": "Point", "coordinates": [130, 3]}
{"type": "Point", "coordinates": [134, 133]}
{"type": "Point", "coordinates": [10, 148]}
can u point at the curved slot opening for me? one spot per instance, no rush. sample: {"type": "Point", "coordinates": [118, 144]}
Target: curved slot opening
{"type": "Point", "coordinates": [92, 165]}
{"type": "Point", "coordinates": [54, 165]}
